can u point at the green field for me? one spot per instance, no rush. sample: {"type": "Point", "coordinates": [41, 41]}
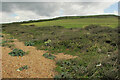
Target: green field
{"type": "Point", "coordinates": [93, 40]}
{"type": "Point", "coordinates": [81, 22]}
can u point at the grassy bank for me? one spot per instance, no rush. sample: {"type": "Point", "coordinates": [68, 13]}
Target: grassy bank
{"type": "Point", "coordinates": [82, 22]}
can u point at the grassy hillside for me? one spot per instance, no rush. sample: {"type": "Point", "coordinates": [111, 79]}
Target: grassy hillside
{"type": "Point", "coordinates": [93, 40]}
{"type": "Point", "coordinates": [70, 22]}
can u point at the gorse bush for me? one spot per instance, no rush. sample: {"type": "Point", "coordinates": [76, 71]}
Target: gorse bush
{"type": "Point", "coordinates": [17, 52]}
{"type": "Point", "coordinates": [47, 43]}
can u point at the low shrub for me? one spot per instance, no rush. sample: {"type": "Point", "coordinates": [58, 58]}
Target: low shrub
{"type": "Point", "coordinates": [49, 56]}
{"type": "Point", "coordinates": [17, 52]}
{"type": "Point", "coordinates": [29, 43]}
{"type": "Point", "coordinates": [22, 68]}
{"type": "Point", "coordinates": [47, 42]}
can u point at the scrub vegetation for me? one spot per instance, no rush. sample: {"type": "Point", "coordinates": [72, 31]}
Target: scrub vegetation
{"type": "Point", "coordinates": [93, 39]}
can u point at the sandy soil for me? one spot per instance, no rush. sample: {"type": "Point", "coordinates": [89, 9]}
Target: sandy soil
{"type": "Point", "coordinates": [39, 66]}
{"type": "Point", "coordinates": [0, 62]}
{"type": "Point", "coordinates": [0, 59]}
{"type": "Point", "coordinates": [62, 56]}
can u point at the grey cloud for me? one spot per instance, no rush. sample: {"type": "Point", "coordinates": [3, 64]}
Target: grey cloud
{"type": "Point", "coordinates": [60, 0]}
{"type": "Point", "coordinates": [40, 8]}
{"type": "Point", "coordinates": [50, 8]}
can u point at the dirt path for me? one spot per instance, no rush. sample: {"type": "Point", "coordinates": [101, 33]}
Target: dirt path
{"type": "Point", "coordinates": [39, 66]}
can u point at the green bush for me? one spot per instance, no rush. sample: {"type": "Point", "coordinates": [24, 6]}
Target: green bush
{"type": "Point", "coordinates": [29, 43]}
{"type": "Point", "coordinates": [17, 52]}
{"type": "Point", "coordinates": [49, 56]}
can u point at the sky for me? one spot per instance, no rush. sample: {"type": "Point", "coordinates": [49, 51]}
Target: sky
{"type": "Point", "coordinates": [23, 10]}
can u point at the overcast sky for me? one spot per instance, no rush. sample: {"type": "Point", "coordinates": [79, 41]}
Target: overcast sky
{"type": "Point", "coordinates": [20, 10]}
